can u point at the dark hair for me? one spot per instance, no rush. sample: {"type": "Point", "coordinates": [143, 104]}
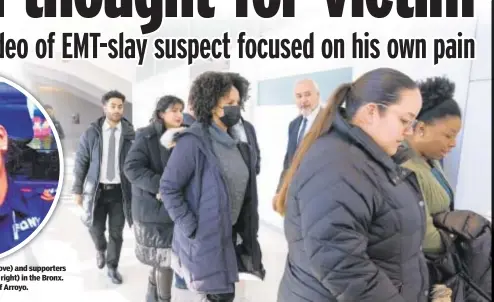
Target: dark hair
{"type": "Point", "coordinates": [190, 102]}
{"type": "Point", "coordinates": [112, 94]}
{"type": "Point", "coordinates": [242, 85]}
{"type": "Point", "coordinates": [13, 158]}
{"type": "Point", "coordinates": [163, 104]}
{"type": "Point", "coordinates": [437, 100]}
{"type": "Point", "coordinates": [380, 86]}
{"type": "Point", "coordinates": [209, 87]}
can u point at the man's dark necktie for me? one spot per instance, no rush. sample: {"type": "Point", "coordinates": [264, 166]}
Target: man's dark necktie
{"type": "Point", "coordinates": [302, 131]}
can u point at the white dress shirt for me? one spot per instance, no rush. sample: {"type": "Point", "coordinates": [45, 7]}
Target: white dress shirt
{"type": "Point", "coordinates": [104, 160]}
{"type": "Point", "coordinates": [310, 120]}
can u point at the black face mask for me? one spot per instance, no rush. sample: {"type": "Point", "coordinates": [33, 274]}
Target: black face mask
{"type": "Point", "coordinates": [231, 116]}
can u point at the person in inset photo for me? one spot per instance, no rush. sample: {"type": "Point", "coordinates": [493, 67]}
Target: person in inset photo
{"type": "Point", "coordinates": [24, 203]}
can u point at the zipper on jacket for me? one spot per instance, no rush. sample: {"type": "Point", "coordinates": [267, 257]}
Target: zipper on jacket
{"type": "Point", "coordinates": [253, 163]}
{"type": "Point", "coordinates": [422, 227]}
{"type": "Point", "coordinates": [222, 222]}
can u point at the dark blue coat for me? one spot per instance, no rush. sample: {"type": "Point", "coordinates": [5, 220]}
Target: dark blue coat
{"type": "Point", "coordinates": [354, 225]}
{"type": "Point", "coordinates": [194, 193]}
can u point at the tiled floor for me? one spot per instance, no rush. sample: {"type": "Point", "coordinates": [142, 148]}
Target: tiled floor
{"type": "Point", "coordinates": [65, 242]}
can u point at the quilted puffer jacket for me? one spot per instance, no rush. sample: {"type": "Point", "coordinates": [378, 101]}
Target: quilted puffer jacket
{"type": "Point", "coordinates": [354, 223]}
{"type": "Point", "coordinates": [466, 266]}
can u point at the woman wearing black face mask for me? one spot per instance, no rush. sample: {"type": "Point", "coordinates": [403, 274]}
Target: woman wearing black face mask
{"type": "Point", "coordinates": [209, 189]}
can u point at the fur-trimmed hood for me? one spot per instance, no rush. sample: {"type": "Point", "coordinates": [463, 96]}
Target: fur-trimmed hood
{"type": "Point", "coordinates": [168, 139]}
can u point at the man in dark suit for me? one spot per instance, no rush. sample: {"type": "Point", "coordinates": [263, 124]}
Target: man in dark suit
{"type": "Point", "coordinates": [308, 101]}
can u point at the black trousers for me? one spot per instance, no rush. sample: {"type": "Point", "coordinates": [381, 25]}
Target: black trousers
{"type": "Point", "coordinates": [109, 205]}
{"type": "Point", "coordinates": [160, 285]}
{"type": "Point", "coordinates": [221, 297]}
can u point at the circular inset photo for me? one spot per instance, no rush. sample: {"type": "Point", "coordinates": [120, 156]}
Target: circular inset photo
{"type": "Point", "coordinates": [31, 167]}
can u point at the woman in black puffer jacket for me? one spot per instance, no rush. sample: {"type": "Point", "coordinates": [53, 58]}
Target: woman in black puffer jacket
{"type": "Point", "coordinates": [144, 165]}
{"type": "Point", "coordinates": [353, 222]}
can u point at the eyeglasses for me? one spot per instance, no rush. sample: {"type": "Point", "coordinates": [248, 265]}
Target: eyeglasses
{"type": "Point", "coordinates": [407, 124]}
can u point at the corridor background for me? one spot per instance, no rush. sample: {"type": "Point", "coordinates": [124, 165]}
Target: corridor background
{"type": "Point", "coordinates": [76, 86]}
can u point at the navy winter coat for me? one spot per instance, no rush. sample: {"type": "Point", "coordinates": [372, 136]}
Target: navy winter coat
{"type": "Point", "coordinates": [194, 193]}
{"type": "Point", "coordinates": [354, 225]}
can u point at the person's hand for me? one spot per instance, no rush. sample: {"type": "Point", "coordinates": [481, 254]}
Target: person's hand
{"type": "Point", "coordinates": [78, 199]}
{"type": "Point", "coordinates": [158, 196]}
{"type": "Point", "coordinates": [275, 201]}
{"type": "Point", "coordinates": [441, 293]}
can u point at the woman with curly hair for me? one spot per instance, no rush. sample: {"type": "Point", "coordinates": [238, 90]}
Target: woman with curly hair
{"type": "Point", "coordinates": [209, 189]}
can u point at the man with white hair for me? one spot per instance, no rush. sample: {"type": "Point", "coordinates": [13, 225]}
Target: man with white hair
{"type": "Point", "coordinates": [308, 101]}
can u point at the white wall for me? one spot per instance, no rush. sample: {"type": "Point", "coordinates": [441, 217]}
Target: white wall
{"type": "Point", "coordinates": [13, 70]}
{"type": "Point", "coordinates": [272, 121]}
{"type": "Point", "coordinates": [475, 174]}
{"type": "Point", "coordinates": [146, 93]}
